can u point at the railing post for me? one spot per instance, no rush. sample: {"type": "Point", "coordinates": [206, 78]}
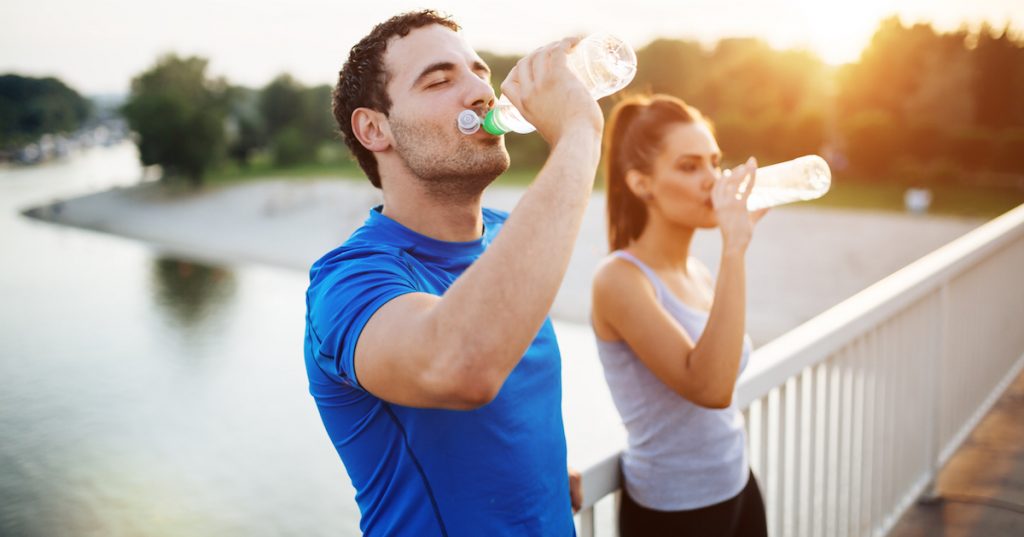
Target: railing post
{"type": "Point", "coordinates": [587, 522]}
{"type": "Point", "coordinates": [935, 379]}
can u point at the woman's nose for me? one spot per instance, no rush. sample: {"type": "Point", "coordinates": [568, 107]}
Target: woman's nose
{"type": "Point", "coordinates": [710, 176]}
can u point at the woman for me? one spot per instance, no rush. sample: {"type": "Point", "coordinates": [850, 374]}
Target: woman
{"type": "Point", "coordinates": [671, 340]}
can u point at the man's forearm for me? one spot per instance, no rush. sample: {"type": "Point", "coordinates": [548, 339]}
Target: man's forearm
{"type": "Point", "coordinates": [497, 306]}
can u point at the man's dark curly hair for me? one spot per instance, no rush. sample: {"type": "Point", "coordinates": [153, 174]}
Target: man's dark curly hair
{"type": "Point", "coordinates": [362, 81]}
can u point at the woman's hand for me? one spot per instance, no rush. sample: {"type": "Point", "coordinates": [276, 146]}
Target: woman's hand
{"type": "Point", "coordinates": [729, 197]}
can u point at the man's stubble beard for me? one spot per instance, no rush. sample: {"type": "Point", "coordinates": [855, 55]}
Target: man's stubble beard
{"type": "Point", "coordinates": [454, 173]}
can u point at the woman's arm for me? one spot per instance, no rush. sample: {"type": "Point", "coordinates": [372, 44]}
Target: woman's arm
{"type": "Point", "coordinates": [626, 307]}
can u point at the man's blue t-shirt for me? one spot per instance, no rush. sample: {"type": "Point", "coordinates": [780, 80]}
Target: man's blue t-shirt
{"type": "Point", "coordinates": [495, 471]}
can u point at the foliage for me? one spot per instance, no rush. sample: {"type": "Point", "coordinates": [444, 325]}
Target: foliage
{"type": "Point", "coordinates": [919, 106]}
{"type": "Point", "coordinates": [179, 115]}
{"type": "Point", "coordinates": [918, 98]}
{"type": "Point", "coordinates": [296, 118]}
{"type": "Point", "coordinates": [31, 107]}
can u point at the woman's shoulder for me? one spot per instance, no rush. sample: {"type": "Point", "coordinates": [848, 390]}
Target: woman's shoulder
{"type": "Point", "coordinates": [615, 277]}
{"type": "Point", "coordinates": [614, 269]}
{"type": "Point", "coordinates": [619, 287]}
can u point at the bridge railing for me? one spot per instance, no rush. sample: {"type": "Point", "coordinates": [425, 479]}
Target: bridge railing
{"type": "Point", "coordinates": [851, 415]}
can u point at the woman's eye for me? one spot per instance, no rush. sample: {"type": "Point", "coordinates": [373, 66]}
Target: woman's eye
{"type": "Point", "coordinates": [688, 168]}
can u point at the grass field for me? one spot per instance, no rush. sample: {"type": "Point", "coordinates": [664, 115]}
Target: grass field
{"type": "Point", "coordinates": [951, 200]}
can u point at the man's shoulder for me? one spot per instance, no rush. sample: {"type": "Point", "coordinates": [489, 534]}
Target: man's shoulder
{"type": "Point", "coordinates": [357, 255]}
{"type": "Point", "coordinates": [365, 251]}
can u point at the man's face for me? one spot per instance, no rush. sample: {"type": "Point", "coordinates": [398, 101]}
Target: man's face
{"type": "Point", "coordinates": [433, 75]}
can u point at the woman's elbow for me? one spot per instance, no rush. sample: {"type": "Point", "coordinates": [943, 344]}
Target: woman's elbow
{"type": "Point", "coordinates": [717, 403]}
{"type": "Point", "coordinates": [708, 399]}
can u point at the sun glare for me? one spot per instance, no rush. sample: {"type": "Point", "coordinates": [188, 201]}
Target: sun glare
{"type": "Point", "coordinates": [837, 30]}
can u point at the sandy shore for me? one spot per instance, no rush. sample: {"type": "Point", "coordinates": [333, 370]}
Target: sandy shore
{"type": "Point", "coordinates": [802, 260]}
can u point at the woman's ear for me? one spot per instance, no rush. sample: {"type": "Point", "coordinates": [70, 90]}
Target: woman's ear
{"type": "Point", "coordinates": [639, 184]}
{"type": "Point", "coordinates": [371, 128]}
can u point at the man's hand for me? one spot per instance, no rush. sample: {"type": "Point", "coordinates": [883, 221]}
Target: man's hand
{"type": "Point", "coordinates": [575, 489]}
{"type": "Point", "coordinates": [551, 98]}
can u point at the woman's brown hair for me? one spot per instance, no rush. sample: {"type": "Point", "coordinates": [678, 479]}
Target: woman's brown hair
{"type": "Point", "coordinates": [633, 139]}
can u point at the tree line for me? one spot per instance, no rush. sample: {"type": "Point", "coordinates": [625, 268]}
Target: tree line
{"type": "Point", "coordinates": [919, 106]}
{"type": "Point", "coordinates": [189, 122]}
{"type": "Point", "coordinates": [31, 107]}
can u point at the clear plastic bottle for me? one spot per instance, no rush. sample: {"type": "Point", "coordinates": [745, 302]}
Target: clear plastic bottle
{"type": "Point", "coordinates": [604, 63]}
{"type": "Point", "coordinates": [800, 179]}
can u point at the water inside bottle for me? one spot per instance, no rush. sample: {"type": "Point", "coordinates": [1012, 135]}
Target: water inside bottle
{"type": "Point", "coordinates": [801, 179]}
{"type": "Point", "coordinates": [763, 197]}
{"type": "Point", "coordinates": [604, 64]}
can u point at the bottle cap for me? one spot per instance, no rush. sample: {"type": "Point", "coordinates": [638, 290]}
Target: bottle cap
{"type": "Point", "coordinates": [468, 122]}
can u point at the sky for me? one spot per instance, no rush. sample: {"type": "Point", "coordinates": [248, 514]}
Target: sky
{"type": "Point", "coordinates": [97, 46]}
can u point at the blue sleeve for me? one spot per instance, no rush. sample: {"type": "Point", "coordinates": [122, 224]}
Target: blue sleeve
{"type": "Point", "coordinates": [342, 296]}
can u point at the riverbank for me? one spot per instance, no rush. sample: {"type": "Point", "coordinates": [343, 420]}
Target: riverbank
{"type": "Point", "coordinates": [802, 260]}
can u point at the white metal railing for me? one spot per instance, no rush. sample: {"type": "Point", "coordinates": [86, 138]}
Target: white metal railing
{"type": "Point", "coordinates": [851, 415]}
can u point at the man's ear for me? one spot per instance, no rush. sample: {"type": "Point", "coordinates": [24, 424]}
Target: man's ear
{"type": "Point", "coordinates": [639, 184]}
{"type": "Point", "coordinates": [371, 128]}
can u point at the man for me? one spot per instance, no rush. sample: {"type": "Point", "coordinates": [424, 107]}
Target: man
{"type": "Point", "coordinates": [429, 352]}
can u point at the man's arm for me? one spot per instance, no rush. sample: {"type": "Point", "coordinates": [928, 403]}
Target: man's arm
{"type": "Point", "coordinates": [457, 350]}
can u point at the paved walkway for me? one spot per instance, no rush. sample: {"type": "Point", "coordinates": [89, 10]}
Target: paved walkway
{"type": "Point", "coordinates": [981, 489]}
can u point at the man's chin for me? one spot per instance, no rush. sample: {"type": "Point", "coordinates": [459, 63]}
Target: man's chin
{"type": "Point", "coordinates": [497, 159]}
{"type": "Point", "coordinates": [492, 172]}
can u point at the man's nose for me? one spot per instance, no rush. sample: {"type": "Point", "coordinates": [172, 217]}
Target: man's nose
{"type": "Point", "coordinates": [479, 94]}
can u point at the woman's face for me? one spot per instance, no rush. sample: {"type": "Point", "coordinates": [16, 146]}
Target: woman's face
{"type": "Point", "coordinates": [682, 176]}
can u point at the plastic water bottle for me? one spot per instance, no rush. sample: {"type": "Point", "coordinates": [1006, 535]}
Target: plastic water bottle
{"type": "Point", "coordinates": [800, 179]}
{"type": "Point", "coordinates": [604, 63]}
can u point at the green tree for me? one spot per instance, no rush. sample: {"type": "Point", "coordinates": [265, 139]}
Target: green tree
{"type": "Point", "coordinates": [246, 131]}
{"type": "Point", "coordinates": [899, 102]}
{"type": "Point", "coordinates": [179, 115]}
{"type": "Point", "coordinates": [764, 102]}
{"type": "Point", "coordinates": [872, 141]}
{"type": "Point", "coordinates": [924, 100]}
{"type": "Point", "coordinates": [298, 119]}
{"type": "Point", "coordinates": [281, 103]}
{"type": "Point", "coordinates": [998, 81]}
{"type": "Point", "coordinates": [319, 119]}
{"type": "Point", "coordinates": [31, 107]}
{"type": "Point", "coordinates": [673, 67]}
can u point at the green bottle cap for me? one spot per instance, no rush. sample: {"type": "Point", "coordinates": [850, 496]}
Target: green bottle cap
{"type": "Point", "coordinates": [491, 124]}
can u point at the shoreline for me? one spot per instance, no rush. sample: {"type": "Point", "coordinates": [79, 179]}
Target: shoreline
{"type": "Point", "coordinates": [802, 260]}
